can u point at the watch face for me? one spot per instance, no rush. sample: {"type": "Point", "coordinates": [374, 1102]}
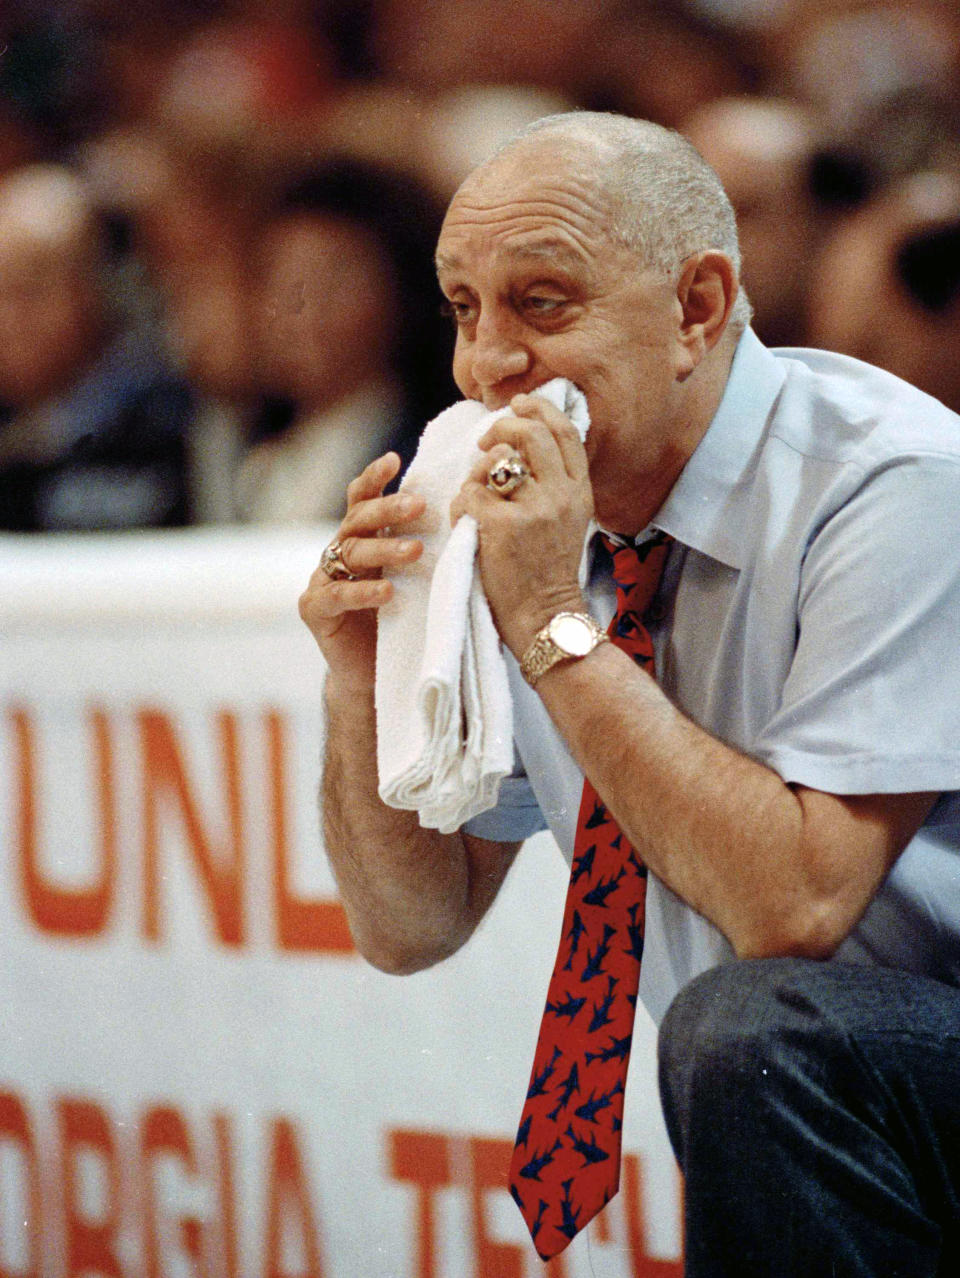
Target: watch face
{"type": "Point", "coordinates": [572, 634]}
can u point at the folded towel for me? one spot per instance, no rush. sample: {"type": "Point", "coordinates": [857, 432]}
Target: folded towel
{"type": "Point", "coordinates": [444, 714]}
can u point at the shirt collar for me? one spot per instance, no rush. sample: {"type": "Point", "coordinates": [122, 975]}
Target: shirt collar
{"type": "Point", "coordinates": [708, 506]}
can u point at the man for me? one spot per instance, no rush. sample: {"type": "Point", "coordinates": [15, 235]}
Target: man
{"type": "Point", "coordinates": [781, 780]}
{"type": "Point", "coordinates": [92, 422]}
{"type": "Point", "coordinates": [345, 265]}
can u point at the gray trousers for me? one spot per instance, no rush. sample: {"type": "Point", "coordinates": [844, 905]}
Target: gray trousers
{"type": "Point", "coordinates": [814, 1109]}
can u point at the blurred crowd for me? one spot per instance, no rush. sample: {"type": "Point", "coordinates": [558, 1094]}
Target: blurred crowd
{"type": "Point", "coordinates": [217, 219]}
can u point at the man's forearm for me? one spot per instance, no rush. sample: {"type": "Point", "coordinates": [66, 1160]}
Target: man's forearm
{"type": "Point", "coordinates": [406, 890]}
{"type": "Point", "coordinates": [778, 869]}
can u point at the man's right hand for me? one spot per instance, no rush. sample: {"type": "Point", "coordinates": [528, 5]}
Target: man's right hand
{"type": "Point", "coordinates": [341, 615]}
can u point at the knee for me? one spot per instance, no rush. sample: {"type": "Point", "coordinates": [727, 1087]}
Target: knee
{"type": "Point", "coordinates": [725, 1033]}
{"type": "Point", "coordinates": [723, 1013]}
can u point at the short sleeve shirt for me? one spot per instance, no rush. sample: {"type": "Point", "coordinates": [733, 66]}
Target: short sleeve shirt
{"type": "Point", "coordinates": [809, 615]}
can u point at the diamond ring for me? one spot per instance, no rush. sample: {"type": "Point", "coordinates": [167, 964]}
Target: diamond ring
{"type": "Point", "coordinates": [506, 475]}
{"type": "Point", "coordinates": [331, 562]}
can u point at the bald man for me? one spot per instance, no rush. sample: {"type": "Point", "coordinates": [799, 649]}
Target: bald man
{"type": "Point", "coordinates": [789, 781]}
{"type": "Point", "coordinates": [91, 422]}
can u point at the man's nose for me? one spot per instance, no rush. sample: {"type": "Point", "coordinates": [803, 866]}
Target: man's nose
{"type": "Point", "coordinates": [498, 356]}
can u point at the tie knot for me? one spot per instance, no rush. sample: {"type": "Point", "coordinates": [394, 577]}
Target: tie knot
{"type": "Point", "coordinates": [637, 570]}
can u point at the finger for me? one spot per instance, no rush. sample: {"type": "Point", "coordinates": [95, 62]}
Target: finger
{"type": "Point", "coordinates": [480, 470]}
{"type": "Point", "coordinates": [326, 597]}
{"type": "Point", "coordinates": [533, 440]}
{"type": "Point", "coordinates": [324, 602]}
{"type": "Point", "coordinates": [373, 479]}
{"type": "Point", "coordinates": [368, 555]}
{"type": "Point", "coordinates": [373, 516]}
{"type": "Point", "coordinates": [474, 498]}
{"type": "Point", "coordinates": [568, 439]}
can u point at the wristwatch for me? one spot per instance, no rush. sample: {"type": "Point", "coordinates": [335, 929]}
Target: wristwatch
{"type": "Point", "coordinates": [566, 637]}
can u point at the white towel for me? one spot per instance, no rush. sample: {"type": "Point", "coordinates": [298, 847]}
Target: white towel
{"type": "Point", "coordinates": [444, 714]}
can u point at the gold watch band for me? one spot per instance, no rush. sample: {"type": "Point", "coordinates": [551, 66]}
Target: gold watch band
{"type": "Point", "coordinates": [548, 646]}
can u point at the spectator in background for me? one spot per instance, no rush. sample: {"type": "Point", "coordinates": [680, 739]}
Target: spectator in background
{"type": "Point", "coordinates": [91, 421]}
{"type": "Point", "coordinates": [909, 132]}
{"type": "Point", "coordinates": [662, 62]}
{"type": "Point", "coordinates": [847, 59]}
{"type": "Point", "coordinates": [762, 150]}
{"type": "Point", "coordinates": [50, 72]}
{"type": "Point", "coordinates": [431, 46]}
{"type": "Point", "coordinates": [198, 234]}
{"type": "Point", "coordinates": [887, 285]}
{"type": "Point", "coordinates": [437, 139]}
{"type": "Point", "coordinates": [209, 106]}
{"type": "Point", "coordinates": [350, 335]}
{"type": "Point", "coordinates": [467, 123]}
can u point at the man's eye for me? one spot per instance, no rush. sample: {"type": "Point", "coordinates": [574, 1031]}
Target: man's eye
{"type": "Point", "coordinates": [460, 312]}
{"type": "Point", "coordinates": [542, 305]}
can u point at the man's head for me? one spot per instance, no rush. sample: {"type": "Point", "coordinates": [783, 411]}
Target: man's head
{"type": "Point", "coordinates": [603, 250]}
{"type": "Point", "coordinates": [328, 308]}
{"type": "Point", "coordinates": [346, 268]}
{"type": "Point", "coordinates": [51, 304]}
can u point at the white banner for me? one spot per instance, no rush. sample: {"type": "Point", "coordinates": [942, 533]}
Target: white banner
{"type": "Point", "coordinates": [199, 1078]}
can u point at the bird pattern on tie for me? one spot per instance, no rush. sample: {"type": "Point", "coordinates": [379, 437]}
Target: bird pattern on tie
{"type": "Point", "coordinates": [566, 1162]}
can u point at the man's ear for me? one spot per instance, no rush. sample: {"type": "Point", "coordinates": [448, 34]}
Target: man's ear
{"type": "Point", "coordinates": [706, 290]}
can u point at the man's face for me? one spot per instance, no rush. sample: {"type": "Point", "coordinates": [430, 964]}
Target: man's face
{"type": "Point", "coordinates": [328, 299]}
{"type": "Point", "coordinates": [538, 289]}
{"type": "Point", "coordinates": [49, 318]}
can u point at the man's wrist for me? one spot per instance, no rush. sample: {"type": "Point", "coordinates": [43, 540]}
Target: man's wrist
{"type": "Point", "coordinates": [526, 623]}
{"type": "Point", "coordinates": [568, 636]}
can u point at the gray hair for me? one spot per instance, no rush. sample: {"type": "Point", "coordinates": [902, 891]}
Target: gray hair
{"type": "Point", "coordinates": [666, 201]}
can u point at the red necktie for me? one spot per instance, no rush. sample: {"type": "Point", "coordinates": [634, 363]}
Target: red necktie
{"type": "Point", "coordinates": [566, 1163]}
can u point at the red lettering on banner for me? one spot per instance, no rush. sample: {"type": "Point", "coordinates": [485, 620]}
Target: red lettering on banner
{"type": "Point", "coordinates": [15, 1129]}
{"type": "Point", "coordinates": [422, 1159]}
{"type": "Point", "coordinates": [302, 924]}
{"type": "Point", "coordinates": [164, 774]}
{"type": "Point", "coordinates": [54, 908]}
{"type": "Point", "coordinates": [644, 1265]}
{"type": "Point", "coordinates": [164, 1131]}
{"type": "Point", "coordinates": [226, 1193]}
{"type": "Point", "coordinates": [288, 1202]}
{"type": "Point", "coordinates": [425, 1159]}
{"type": "Point", "coordinates": [490, 1159]}
{"type": "Point", "coordinates": [90, 1242]}
{"type": "Point", "coordinates": [103, 1233]}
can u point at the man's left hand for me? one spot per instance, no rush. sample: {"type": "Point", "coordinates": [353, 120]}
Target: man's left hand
{"type": "Point", "coordinates": [532, 541]}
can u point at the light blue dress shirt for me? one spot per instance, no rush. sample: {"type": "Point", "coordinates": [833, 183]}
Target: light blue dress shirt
{"type": "Point", "coordinates": [809, 615]}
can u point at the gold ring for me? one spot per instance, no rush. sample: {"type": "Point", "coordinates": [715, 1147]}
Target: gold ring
{"type": "Point", "coordinates": [331, 562]}
{"type": "Point", "coordinates": [506, 476]}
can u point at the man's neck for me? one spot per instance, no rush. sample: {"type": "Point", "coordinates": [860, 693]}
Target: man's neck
{"type": "Point", "coordinates": [630, 499]}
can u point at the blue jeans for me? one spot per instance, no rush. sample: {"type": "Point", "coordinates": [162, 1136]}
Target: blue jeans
{"type": "Point", "coordinates": [814, 1109]}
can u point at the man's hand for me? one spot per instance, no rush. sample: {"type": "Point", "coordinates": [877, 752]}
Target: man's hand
{"type": "Point", "coordinates": [530, 543]}
{"type": "Point", "coordinates": [342, 614]}
{"type": "Point", "coordinates": [412, 895]}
